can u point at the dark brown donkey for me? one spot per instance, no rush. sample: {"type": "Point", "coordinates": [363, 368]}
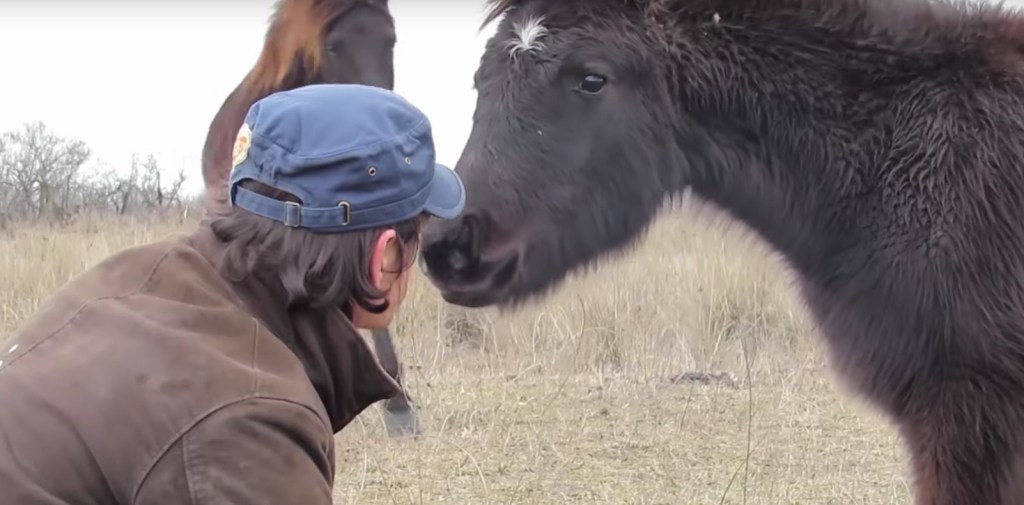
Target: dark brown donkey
{"type": "Point", "coordinates": [309, 42]}
{"type": "Point", "coordinates": [878, 145]}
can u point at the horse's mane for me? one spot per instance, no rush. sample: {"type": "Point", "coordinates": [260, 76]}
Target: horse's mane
{"type": "Point", "coordinates": [292, 55]}
{"type": "Point", "coordinates": [293, 38]}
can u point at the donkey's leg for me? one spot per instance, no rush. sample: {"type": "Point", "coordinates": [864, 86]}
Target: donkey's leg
{"type": "Point", "coordinates": [967, 447]}
{"type": "Point", "coordinates": [399, 417]}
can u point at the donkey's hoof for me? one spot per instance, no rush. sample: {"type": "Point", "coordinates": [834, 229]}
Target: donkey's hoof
{"type": "Point", "coordinates": [401, 423]}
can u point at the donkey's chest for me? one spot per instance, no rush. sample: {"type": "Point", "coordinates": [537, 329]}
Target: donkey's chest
{"type": "Point", "coordinates": [875, 343]}
{"type": "Point", "coordinates": [890, 328]}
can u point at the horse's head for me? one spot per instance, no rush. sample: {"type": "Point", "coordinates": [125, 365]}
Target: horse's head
{"type": "Point", "coordinates": [308, 42]}
{"type": "Point", "coordinates": [566, 157]}
{"type": "Point", "coordinates": [358, 47]}
{"type": "Point", "coordinates": [327, 41]}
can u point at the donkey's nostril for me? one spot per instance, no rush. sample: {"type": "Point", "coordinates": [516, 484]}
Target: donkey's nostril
{"type": "Point", "coordinates": [465, 243]}
{"type": "Point", "coordinates": [453, 250]}
{"type": "Point", "coordinates": [423, 264]}
{"type": "Point", "coordinates": [457, 260]}
{"type": "Point", "coordinates": [468, 234]}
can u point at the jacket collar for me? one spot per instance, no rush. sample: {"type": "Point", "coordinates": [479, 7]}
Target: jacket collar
{"type": "Point", "coordinates": [340, 365]}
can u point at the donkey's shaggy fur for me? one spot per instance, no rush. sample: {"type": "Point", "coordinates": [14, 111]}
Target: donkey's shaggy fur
{"type": "Point", "coordinates": [878, 145]}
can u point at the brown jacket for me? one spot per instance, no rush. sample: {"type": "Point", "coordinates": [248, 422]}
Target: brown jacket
{"type": "Point", "coordinates": [149, 379]}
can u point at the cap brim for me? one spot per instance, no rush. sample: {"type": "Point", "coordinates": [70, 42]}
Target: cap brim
{"type": "Point", "coordinates": [447, 194]}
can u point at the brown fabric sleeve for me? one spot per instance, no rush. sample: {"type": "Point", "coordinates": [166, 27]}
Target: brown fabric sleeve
{"type": "Point", "coordinates": [258, 451]}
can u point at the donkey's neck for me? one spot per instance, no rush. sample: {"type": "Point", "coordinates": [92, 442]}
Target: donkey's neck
{"type": "Point", "coordinates": [784, 198]}
{"type": "Point", "coordinates": [792, 120]}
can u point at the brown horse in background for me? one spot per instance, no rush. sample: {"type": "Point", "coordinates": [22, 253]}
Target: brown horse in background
{"type": "Point", "coordinates": [876, 145]}
{"type": "Point", "coordinates": [312, 42]}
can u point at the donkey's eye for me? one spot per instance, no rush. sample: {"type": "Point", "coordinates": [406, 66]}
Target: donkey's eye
{"type": "Point", "coordinates": [592, 83]}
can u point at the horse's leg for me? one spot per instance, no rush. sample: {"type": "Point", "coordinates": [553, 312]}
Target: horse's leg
{"type": "Point", "coordinates": [967, 447]}
{"type": "Point", "coordinates": [399, 417]}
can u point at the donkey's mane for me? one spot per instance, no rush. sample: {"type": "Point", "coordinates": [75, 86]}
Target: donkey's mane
{"type": "Point", "coordinates": [917, 23]}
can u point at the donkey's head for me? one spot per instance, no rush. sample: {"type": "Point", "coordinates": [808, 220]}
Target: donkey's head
{"type": "Point", "coordinates": [567, 155]}
{"type": "Point", "coordinates": [590, 112]}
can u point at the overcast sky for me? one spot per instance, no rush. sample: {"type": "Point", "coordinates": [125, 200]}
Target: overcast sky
{"type": "Point", "coordinates": [147, 76]}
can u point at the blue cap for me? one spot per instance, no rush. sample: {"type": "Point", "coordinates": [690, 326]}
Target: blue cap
{"type": "Point", "coordinates": [357, 156]}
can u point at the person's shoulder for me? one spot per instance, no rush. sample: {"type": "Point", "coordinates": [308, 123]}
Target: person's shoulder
{"type": "Point", "coordinates": [254, 450]}
{"type": "Point", "coordinates": [148, 277]}
{"type": "Point", "coordinates": [151, 318]}
{"type": "Point", "coordinates": [118, 276]}
{"type": "Point", "coordinates": [137, 351]}
{"type": "Point", "coordinates": [129, 270]}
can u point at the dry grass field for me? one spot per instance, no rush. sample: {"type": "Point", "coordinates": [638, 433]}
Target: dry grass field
{"type": "Point", "coordinates": [574, 399]}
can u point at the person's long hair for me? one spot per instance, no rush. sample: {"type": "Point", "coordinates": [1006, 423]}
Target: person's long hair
{"type": "Point", "coordinates": [316, 269]}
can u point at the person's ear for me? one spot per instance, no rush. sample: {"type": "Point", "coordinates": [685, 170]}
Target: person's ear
{"type": "Point", "coordinates": [380, 260]}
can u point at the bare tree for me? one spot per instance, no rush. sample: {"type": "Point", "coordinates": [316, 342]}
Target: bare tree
{"type": "Point", "coordinates": [42, 176]}
{"type": "Point", "coordinates": [154, 190]}
{"type": "Point", "coordinates": [42, 169]}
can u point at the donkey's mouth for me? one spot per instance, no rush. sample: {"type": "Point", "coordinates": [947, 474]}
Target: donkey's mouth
{"type": "Point", "coordinates": [489, 288]}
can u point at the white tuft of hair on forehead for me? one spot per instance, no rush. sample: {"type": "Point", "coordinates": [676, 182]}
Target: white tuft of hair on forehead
{"type": "Point", "coordinates": [527, 36]}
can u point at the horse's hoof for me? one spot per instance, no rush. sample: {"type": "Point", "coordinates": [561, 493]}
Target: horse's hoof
{"type": "Point", "coordinates": [401, 423]}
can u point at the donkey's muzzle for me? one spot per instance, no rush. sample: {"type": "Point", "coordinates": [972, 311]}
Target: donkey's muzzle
{"type": "Point", "coordinates": [451, 252]}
